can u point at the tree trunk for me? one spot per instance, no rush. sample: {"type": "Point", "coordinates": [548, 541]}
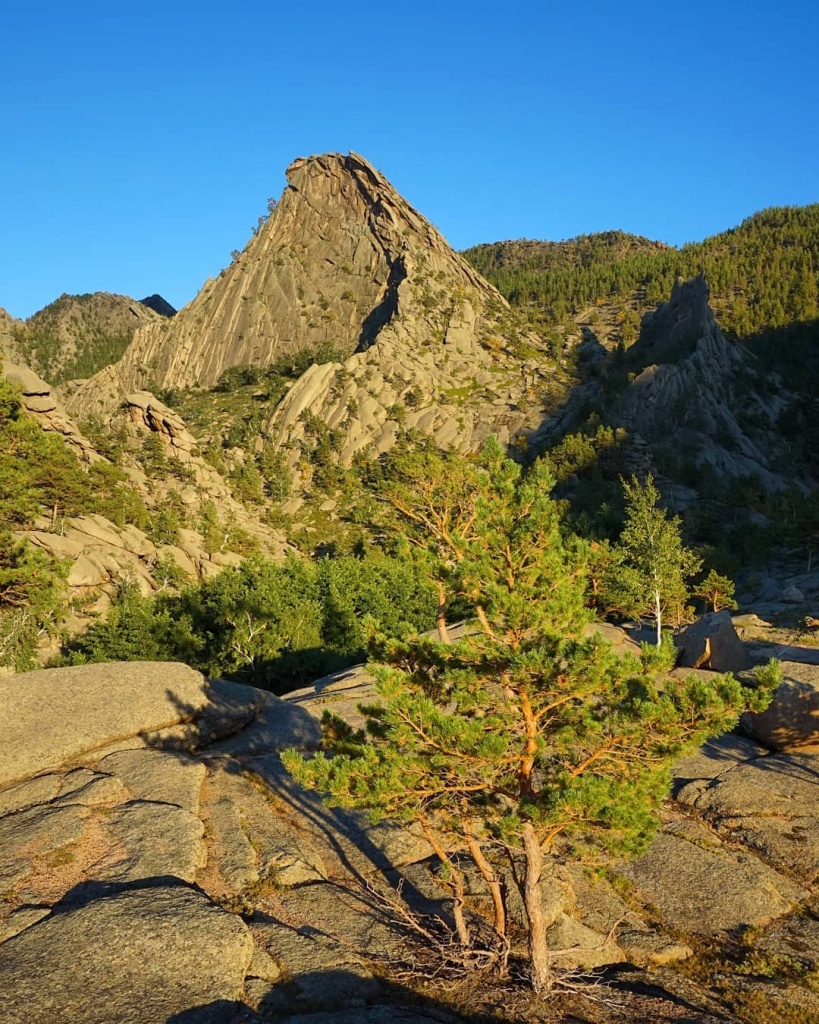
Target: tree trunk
{"type": "Point", "coordinates": [440, 619]}
{"type": "Point", "coordinates": [457, 883]}
{"type": "Point", "coordinates": [494, 884]}
{"type": "Point", "coordinates": [658, 615]}
{"type": "Point", "coordinates": [542, 977]}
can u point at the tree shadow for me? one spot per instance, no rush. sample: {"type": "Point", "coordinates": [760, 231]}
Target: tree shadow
{"type": "Point", "coordinates": [242, 742]}
{"type": "Point", "coordinates": [336, 997]}
{"type": "Point", "coordinates": [342, 997]}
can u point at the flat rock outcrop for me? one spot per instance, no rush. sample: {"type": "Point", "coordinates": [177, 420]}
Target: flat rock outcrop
{"type": "Point", "coordinates": [158, 864]}
{"type": "Point", "coordinates": [135, 955]}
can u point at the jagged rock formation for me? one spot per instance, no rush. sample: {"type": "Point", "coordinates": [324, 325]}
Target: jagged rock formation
{"type": "Point", "coordinates": [101, 554]}
{"type": "Point", "coordinates": [147, 412]}
{"type": "Point", "coordinates": [39, 401]}
{"type": "Point", "coordinates": [345, 262]}
{"type": "Point", "coordinates": [158, 861]}
{"type": "Point", "coordinates": [685, 389]}
{"type": "Point", "coordinates": [447, 371]}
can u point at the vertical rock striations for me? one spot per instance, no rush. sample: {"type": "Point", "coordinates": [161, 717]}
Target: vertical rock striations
{"type": "Point", "coordinates": [345, 267]}
{"type": "Point", "coordinates": [686, 390]}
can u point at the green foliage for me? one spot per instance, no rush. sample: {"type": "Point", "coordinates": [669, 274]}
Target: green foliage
{"type": "Point", "coordinates": [137, 628]}
{"type": "Point", "coordinates": [716, 590]}
{"type": "Point", "coordinates": [168, 574]}
{"type": "Point", "coordinates": [247, 483]}
{"type": "Point", "coordinates": [39, 474]}
{"type": "Point", "coordinates": [274, 625]}
{"type": "Point", "coordinates": [770, 675]}
{"type": "Point", "coordinates": [109, 441]}
{"type": "Point", "coordinates": [522, 736]}
{"type": "Point", "coordinates": [321, 449]}
{"type": "Point", "coordinates": [650, 565]}
{"type": "Point", "coordinates": [116, 498]}
{"type": "Point", "coordinates": [32, 600]}
{"type": "Point", "coordinates": [154, 455]}
{"type": "Point", "coordinates": [660, 658]}
{"type": "Point", "coordinates": [76, 335]}
{"type": "Point", "coordinates": [278, 482]}
{"type": "Point", "coordinates": [762, 274]}
{"type": "Point", "coordinates": [165, 520]}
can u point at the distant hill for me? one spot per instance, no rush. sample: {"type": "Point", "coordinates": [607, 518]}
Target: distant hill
{"type": "Point", "coordinates": [76, 335]}
{"type": "Point", "coordinates": [762, 274]}
{"type": "Point", "coordinates": [600, 249]}
{"type": "Point", "coordinates": [158, 305]}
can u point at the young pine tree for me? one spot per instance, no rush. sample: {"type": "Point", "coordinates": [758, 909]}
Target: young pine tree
{"type": "Point", "coordinates": [523, 737]}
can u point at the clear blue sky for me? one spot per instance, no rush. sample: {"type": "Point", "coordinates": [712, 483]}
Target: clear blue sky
{"type": "Point", "coordinates": [140, 141]}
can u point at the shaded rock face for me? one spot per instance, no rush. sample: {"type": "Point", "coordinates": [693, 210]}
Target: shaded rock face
{"type": "Point", "coordinates": [685, 391]}
{"type": "Point", "coordinates": [346, 264]}
{"type": "Point", "coordinates": [792, 719]}
{"type": "Point", "coordinates": [712, 643]}
{"type": "Point", "coordinates": [158, 305]}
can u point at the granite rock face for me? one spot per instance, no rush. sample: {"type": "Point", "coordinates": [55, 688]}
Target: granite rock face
{"type": "Point", "coordinates": [102, 554]}
{"type": "Point", "coordinates": [712, 643]}
{"type": "Point", "coordinates": [135, 955]}
{"type": "Point", "coordinates": [42, 405]}
{"type": "Point", "coordinates": [346, 266]}
{"type": "Point", "coordinates": [158, 862]}
{"type": "Point", "coordinates": [323, 269]}
{"type": "Point", "coordinates": [685, 389]}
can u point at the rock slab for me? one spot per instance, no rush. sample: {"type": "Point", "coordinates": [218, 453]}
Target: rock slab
{"type": "Point", "coordinates": [136, 957]}
{"type": "Point", "coordinates": [54, 715]}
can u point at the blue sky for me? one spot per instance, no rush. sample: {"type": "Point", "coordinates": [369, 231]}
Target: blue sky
{"type": "Point", "coordinates": [140, 141]}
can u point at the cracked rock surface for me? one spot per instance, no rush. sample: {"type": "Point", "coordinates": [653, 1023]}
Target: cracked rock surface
{"type": "Point", "coordinates": [158, 864]}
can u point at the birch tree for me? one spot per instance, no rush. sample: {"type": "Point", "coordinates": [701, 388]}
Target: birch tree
{"type": "Point", "coordinates": [652, 560]}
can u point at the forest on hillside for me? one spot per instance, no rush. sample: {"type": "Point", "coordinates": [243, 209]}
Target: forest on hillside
{"type": "Point", "coordinates": [762, 274]}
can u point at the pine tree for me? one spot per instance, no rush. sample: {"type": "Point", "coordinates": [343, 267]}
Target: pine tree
{"type": "Point", "coordinates": [524, 736]}
{"type": "Point", "coordinates": [716, 590]}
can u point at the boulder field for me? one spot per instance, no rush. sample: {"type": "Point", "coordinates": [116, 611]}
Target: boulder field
{"type": "Point", "coordinates": [159, 865]}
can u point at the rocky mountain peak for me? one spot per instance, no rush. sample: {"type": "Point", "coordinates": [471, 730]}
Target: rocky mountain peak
{"type": "Point", "coordinates": [685, 390]}
{"type": "Point", "coordinates": [686, 317]}
{"type": "Point", "coordinates": [158, 305]}
{"type": "Point", "coordinates": [321, 274]}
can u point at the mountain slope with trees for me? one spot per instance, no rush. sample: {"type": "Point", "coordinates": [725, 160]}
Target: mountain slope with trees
{"type": "Point", "coordinates": [762, 274]}
{"type": "Point", "coordinates": [76, 335]}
